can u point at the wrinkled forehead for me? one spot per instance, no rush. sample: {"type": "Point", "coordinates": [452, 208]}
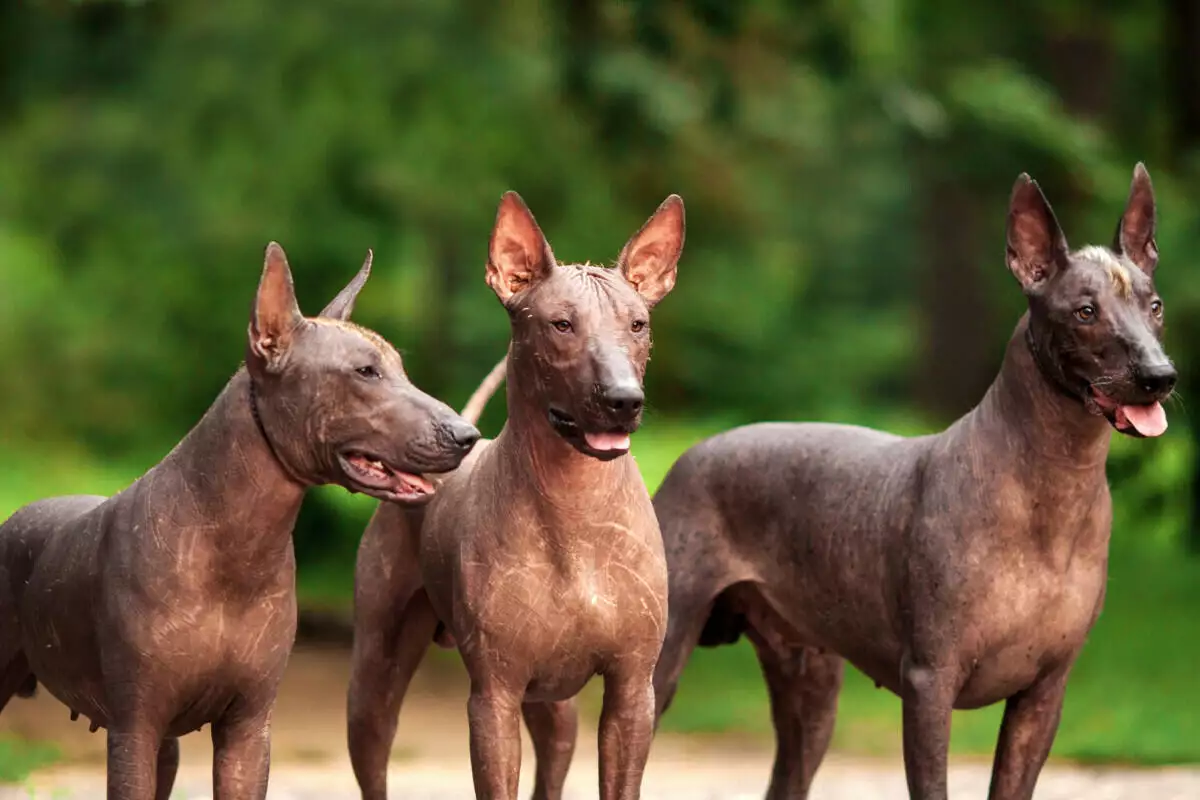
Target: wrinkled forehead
{"type": "Point", "coordinates": [585, 289]}
{"type": "Point", "coordinates": [340, 338]}
{"type": "Point", "coordinates": [1100, 272]}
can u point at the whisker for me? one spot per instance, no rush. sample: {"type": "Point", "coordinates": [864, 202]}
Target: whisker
{"type": "Point", "coordinates": [1175, 398]}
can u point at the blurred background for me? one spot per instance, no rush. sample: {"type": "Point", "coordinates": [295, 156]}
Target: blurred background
{"type": "Point", "coordinates": [846, 168]}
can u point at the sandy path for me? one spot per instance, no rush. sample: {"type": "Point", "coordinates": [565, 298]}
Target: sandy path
{"type": "Point", "coordinates": [714, 777]}
{"type": "Point", "coordinates": [430, 761]}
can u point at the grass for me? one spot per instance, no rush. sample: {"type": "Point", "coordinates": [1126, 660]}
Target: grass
{"type": "Point", "coordinates": [19, 758]}
{"type": "Point", "coordinates": [1133, 697]}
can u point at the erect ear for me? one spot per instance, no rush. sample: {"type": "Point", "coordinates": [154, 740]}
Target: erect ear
{"type": "Point", "coordinates": [1036, 245]}
{"type": "Point", "coordinates": [518, 254]}
{"type": "Point", "coordinates": [341, 306]}
{"type": "Point", "coordinates": [1135, 230]}
{"type": "Point", "coordinates": [275, 316]}
{"type": "Point", "coordinates": [649, 260]}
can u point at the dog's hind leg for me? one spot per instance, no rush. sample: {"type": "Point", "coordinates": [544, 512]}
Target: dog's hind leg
{"type": "Point", "coordinates": [393, 627]}
{"type": "Point", "coordinates": [684, 625]}
{"type": "Point", "coordinates": [168, 765]}
{"type": "Point", "coordinates": [803, 684]}
{"type": "Point", "coordinates": [553, 728]}
{"type": "Point", "coordinates": [386, 654]}
{"type": "Point", "coordinates": [699, 576]}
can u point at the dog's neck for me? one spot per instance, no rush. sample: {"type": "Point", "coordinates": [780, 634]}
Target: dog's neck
{"type": "Point", "coordinates": [1026, 408]}
{"type": "Point", "coordinates": [548, 464]}
{"type": "Point", "coordinates": [226, 492]}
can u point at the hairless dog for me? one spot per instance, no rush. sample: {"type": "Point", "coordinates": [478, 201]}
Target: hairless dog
{"type": "Point", "coordinates": [173, 604]}
{"type": "Point", "coordinates": [956, 570]}
{"type": "Point", "coordinates": [540, 558]}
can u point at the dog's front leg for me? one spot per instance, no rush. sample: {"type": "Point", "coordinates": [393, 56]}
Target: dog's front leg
{"type": "Point", "coordinates": [133, 762]}
{"type": "Point", "coordinates": [626, 729]}
{"type": "Point", "coordinates": [494, 715]}
{"type": "Point", "coordinates": [927, 694]}
{"type": "Point", "coordinates": [1030, 722]}
{"type": "Point", "coordinates": [241, 755]}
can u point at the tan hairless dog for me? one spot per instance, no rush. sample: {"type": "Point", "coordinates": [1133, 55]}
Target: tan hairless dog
{"type": "Point", "coordinates": [541, 555]}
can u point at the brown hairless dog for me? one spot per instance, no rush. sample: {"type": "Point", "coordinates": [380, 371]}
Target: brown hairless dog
{"type": "Point", "coordinates": [957, 570]}
{"type": "Point", "coordinates": [541, 555]}
{"type": "Point", "coordinates": [173, 603]}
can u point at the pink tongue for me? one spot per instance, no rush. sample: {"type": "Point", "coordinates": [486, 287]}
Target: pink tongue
{"type": "Point", "coordinates": [607, 441]}
{"type": "Point", "coordinates": [1149, 420]}
{"type": "Point", "coordinates": [415, 481]}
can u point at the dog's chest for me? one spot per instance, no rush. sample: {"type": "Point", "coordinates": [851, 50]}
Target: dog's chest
{"type": "Point", "coordinates": [565, 612]}
{"type": "Point", "coordinates": [225, 650]}
{"type": "Point", "coordinates": [1030, 608]}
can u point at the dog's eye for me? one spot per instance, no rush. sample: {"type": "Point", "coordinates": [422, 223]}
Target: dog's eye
{"type": "Point", "coordinates": [1156, 308]}
{"type": "Point", "coordinates": [638, 325]}
{"type": "Point", "coordinates": [561, 325]}
{"type": "Point", "coordinates": [367, 371]}
{"type": "Point", "coordinates": [1085, 313]}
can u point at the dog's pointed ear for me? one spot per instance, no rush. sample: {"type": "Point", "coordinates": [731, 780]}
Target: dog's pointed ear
{"type": "Point", "coordinates": [518, 254]}
{"type": "Point", "coordinates": [1135, 230]}
{"type": "Point", "coordinates": [341, 306]}
{"type": "Point", "coordinates": [1037, 247]}
{"type": "Point", "coordinates": [276, 315]}
{"type": "Point", "coordinates": [650, 259]}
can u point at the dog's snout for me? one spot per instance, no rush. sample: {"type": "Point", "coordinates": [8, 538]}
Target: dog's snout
{"type": "Point", "coordinates": [625, 397]}
{"type": "Point", "coordinates": [1157, 379]}
{"type": "Point", "coordinates": [462, 433]}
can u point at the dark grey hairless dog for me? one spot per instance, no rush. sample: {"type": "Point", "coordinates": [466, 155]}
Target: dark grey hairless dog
{"type": "Point", "coordinates": [540, 556]}
{"type": "Point", "coordinates": [173, 604]}
{"type": "Point", "coordinates": [956, 570]}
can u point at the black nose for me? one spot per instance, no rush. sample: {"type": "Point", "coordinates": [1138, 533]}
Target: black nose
{"type": "Point", "coordinates": [625, 398]}
{"type": "Point", "coordinates": [462, 433]}
{"type": "Point", "coordinates": [1157, 379]}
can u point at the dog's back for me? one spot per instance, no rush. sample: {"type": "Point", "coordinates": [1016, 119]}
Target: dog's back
{"type": "Point", "coordinates": [24, 536]}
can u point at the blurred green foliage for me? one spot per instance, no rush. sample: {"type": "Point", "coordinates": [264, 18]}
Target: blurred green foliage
{"type": "Point", "coordinates": [844, 164]}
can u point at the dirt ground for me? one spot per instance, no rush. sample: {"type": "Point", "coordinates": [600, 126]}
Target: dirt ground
{"type": "Point", "coordinates": [309, 759]}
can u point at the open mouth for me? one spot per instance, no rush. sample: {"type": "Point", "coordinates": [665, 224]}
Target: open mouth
{"type": "Point", "coordinates": [603, 445]}
{"type": "Point", "coordinates": [1132, 420]}
{"type": "Point", "coordinates": [370, 475]}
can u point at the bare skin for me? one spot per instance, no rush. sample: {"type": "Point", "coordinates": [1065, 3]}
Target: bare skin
{"type": "Point", "coordinates": [173, 604]}
{"type": "Point", "coordinates": [541, 557]}
{"type": "Point", "coordinates": [956, 570]}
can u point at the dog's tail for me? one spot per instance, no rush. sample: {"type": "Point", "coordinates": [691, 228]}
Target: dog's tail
{"type": "Point", "coordinates": [473, 410]}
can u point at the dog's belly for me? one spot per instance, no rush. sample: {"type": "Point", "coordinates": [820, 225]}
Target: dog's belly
{"type": "Point", "coordinates": [191, 660]}
{"type": "Point", "coordinates": [783, 622]}
{"type": "Point", "coordinates": [58, 619]}
{"type": "Point", "coordinates": [197, 708]}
